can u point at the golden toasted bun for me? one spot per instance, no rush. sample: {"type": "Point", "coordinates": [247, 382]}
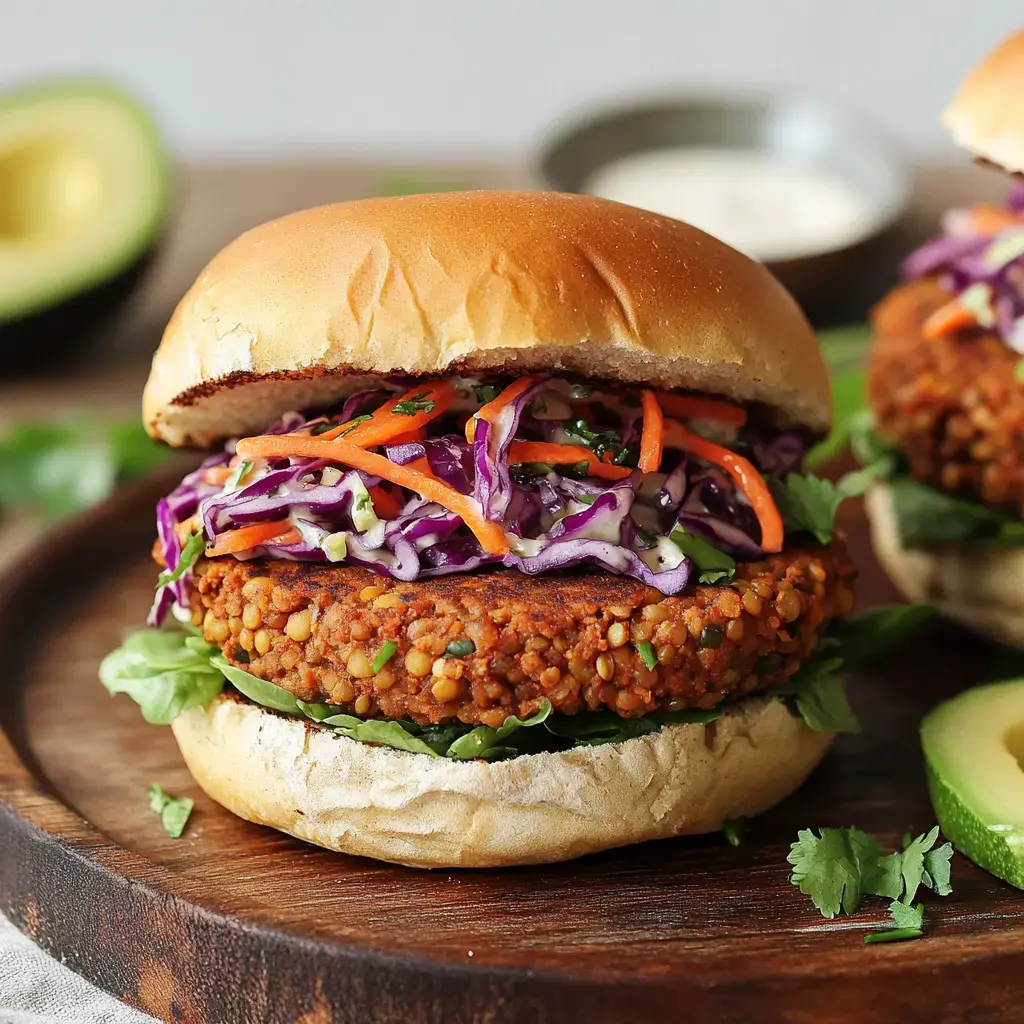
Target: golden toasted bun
{"type": "Point", "coordinates": [293, 313]}
{"type": "Point", "coordinates": [426, 812]}
{"type": "Point", "coordinates": [986, 116]}
{"type": "Point", "coordinates": [978, 586]}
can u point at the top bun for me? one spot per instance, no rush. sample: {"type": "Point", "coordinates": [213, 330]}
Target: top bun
{"type": "Point", "coordinates": [296, 313]}
{"type": "Point", "coordinates": [986, 116]}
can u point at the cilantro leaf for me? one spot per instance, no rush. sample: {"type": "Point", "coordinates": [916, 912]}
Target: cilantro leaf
{"type": "Point", "coordinates": [936, 869]}
{"type": "Point", "coordinates": [411, 406]}
{"type": "Point", "coordinates": [908, 924]}
{"type": "Point", "coordinates": [906, 916]}
{"type": "Point", "coordinates": [838, 866]}
{"type": "Point", "coordinates": [808, 504]}
{"type": "Point", "coordinates": [713, 566]}
{"type": "Point", "coordinates": [830, 867]}
{"type": "Point", "coordinates": [174, 811]}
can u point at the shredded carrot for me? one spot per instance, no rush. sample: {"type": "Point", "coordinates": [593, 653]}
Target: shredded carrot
{"type": "Point", "coordinates": [750, 482]}
{"type": "Point", "coordinates": [948, 319]}
{"type": "Point", "coordinates": [218, 475]}
{"type": "Point", "coordinates": [690, 407]}
{"type": "Point", "coordinates": [652, 436]}
{"type": "Point", "coordinates": [563, 454]}
{"type": "Point", "coordinates": [384, 504]}
{"type": "Point", "coordinates": [386, 425]}
{"type": "Point", "coordinates": [491, 410]}
{"type": "Point", "coordinates": [410, 436]}
{"type": "Point", "coordinates": [248, 537]}
{"type": "Point", "coordinates": [491, 536]}
{"type": "Point", "coordinates": [989, 219]}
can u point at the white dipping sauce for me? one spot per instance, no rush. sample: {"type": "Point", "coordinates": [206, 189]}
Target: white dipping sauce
{"type": "Point", "coordinates": [767, 209]}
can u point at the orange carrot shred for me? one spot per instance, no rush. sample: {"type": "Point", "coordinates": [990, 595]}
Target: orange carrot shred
{"type": "Point", "coordinates": [564, 454]}
{"type": "Point", "coordinates": [652, 436]}
{"type": "Point", "coordinates": [990, 219]}
{"type": "Point", "coordinates": [384, 504]}
{"type": "Point", "coordinates": [692, 407]}
{"type": "Point", "coordinates": [245, 538]}
{"type": "Point", "coordinates": [491, 410]}
{"type": "Point", "coordinates": [750, 482]}
{"type": "Point", "coordinates": [385, 425]}
{"type": "Point", "coordinates": [491, 536]}
{"type": "Point", "coordinates": [218, 475]}
{"type": "Point", "coordinates": [948, 319]}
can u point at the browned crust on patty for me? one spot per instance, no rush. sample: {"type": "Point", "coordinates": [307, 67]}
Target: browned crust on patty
{"type": "Point", "coordinates": [953, 405]}
{"type": "Point", "coordinates": [315, 630]}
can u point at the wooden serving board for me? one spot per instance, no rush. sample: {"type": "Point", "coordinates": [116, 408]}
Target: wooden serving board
{"type": "Point", "coordinates": [236, 923]}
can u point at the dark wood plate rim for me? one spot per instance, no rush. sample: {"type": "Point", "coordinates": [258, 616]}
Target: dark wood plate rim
{"type": "Point", "coordinates": [42, 840]}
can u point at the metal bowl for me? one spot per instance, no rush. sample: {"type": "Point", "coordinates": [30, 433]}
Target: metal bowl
{"type": "Point", "coordinates": [802, 130]}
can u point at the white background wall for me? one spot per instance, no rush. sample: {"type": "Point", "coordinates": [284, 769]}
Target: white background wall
{"type": "Point", "coordinates": [482, 77]}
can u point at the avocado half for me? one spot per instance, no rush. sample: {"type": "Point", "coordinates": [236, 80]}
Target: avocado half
{"type": "Point", "coordinates": [84, 199]}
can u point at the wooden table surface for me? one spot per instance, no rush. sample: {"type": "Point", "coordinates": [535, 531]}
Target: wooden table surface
{"type": "Point", "coordinates": [215, 203]}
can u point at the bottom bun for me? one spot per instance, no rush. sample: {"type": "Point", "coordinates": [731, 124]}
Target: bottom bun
{"type": "Point", "coordinates": [978, 585]}
{"type": "Point", "coordinates": [430, 812]}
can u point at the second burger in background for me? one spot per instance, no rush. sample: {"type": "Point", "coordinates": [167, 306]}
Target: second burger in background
{"type": "Point", "coordinates": [946, 387]}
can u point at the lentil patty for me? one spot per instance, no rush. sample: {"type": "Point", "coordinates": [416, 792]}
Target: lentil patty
{"type": "Point", "coordinates": [316, 630]}
{"type": "Point", "coordinates": [953, 405]}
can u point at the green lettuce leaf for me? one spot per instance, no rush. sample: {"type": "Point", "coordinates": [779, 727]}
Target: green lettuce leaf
{"type": "Point", "coordinates": [163, 673]}
{"type": "Point", "coordinates": [597, 727]}
{"type": "Point", "coordinates": [174, 811]}
{"type": "Point", "coordinates": [925, 515]}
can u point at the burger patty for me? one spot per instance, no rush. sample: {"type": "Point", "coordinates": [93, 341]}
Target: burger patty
{"type": "Point", "coordinates": [953, 405]}
{"type": "Point", "coordinates": [479, 648]}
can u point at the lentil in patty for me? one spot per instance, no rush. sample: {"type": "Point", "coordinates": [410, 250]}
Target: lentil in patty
{"type": "Point", "coordinates": [953, 405]}
{"type": "Point", "coordinates": [578, 640]}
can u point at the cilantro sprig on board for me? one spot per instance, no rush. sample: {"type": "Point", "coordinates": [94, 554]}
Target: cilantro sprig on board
{"type": "Point", "coordinates": [837, 867]}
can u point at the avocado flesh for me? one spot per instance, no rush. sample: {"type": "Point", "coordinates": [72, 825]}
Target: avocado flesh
{"type": "Point", "coordinates": [83, 193]}
{"type": "Point", "coordinates": [974, 752]}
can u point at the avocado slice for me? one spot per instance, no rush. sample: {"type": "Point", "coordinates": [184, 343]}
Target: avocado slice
{"type": "Point", "coordinates": [974, 753]}
{"type": "Point", "coordinates": [84, 189]}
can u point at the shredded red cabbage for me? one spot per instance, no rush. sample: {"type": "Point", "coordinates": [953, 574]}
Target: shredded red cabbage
{"type": "Point", "coordinates": [991, 264]}
{"type": "Point", "coordinates": [555, 517]}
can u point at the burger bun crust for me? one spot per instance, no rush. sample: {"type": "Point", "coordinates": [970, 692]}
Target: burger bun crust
{"type": "Point", "coordinates": [432, 812]}
{"type": "Point", "coordinates": [304, 310]}
{"type": "Point", "coordinates": [986, 116]}
{"type": "Point", "coordinates": [980, 587]}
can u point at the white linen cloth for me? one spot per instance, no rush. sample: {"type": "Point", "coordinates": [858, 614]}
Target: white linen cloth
{"type": "Point", "coordinates": [36, 989]}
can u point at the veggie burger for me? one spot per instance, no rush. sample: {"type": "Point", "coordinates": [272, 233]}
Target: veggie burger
{"type": "Point", "coordinates": [502, 553]}
{"type": "Point", "coordinates": [947, 386]}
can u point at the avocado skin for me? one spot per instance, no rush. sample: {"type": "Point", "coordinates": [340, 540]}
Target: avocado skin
{"type": "Point", "coordinates": [69, 329]}
{"type": "Point", "coordinates": [963, 829]}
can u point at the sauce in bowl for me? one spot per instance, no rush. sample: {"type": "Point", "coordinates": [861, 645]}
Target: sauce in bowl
{"type": "Point", "coordinates": [758, 204]}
